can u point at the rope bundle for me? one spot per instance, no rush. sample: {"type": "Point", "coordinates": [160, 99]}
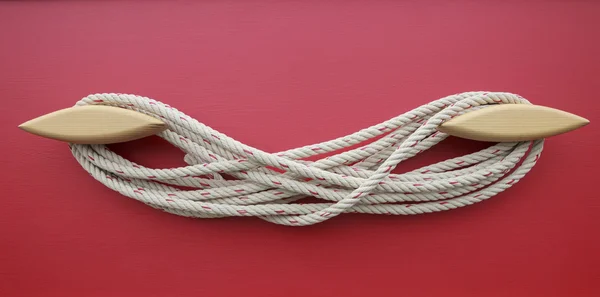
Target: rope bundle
{"type": "Point", "coordinates": [357, 180]}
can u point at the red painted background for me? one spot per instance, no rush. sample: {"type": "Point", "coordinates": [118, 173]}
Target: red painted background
{"type": "Point", "coordinates": [316, 71]}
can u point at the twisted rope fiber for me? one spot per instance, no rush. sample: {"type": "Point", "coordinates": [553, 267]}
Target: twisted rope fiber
{"type": "Point", "coordinates": [357, 180]}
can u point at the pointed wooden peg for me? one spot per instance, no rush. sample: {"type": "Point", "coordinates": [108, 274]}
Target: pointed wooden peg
{"type": "Point", "coordinates": [94, 124]}
{"type": "Point", "coordinates": [512, 122]}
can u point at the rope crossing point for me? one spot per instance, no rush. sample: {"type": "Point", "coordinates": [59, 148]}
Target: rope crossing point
{"type": "Point", "coordinates": [355, 180]}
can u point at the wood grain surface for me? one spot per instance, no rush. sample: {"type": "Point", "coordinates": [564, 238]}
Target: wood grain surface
{"type": "Point", "coordinates": [94, 124]}
{"type": "Point", "coordinates": [512, 122]}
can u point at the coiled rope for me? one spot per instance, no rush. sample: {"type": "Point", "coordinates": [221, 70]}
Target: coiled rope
{"type": "Point", "coordinates": [358, 180]}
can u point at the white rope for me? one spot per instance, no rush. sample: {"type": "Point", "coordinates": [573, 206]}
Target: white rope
{"type": "Point", "coordinates": [357, 180]}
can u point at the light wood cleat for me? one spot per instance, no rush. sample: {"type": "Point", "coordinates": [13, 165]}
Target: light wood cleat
{"type": "Point", "coordinates": [94, 124]}
{"type": "Point", "coordinates": [512, 122]}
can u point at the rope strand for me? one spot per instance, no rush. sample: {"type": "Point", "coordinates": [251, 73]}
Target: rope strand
{"type": "Point", "coordinates": [357, 180]}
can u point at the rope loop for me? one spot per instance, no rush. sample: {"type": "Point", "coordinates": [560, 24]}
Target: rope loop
{"type": "Point", "coordinates": [355, 180]}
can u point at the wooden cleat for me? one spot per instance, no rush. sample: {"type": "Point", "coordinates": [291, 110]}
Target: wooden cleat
{"type": "Point", "coordinates": [512, 122]}
{"type": "Point", "coordinates": [94, 124]}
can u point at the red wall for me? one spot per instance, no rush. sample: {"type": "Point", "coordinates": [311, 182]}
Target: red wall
{"type": "Point", "coordinates": [317, 71]}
